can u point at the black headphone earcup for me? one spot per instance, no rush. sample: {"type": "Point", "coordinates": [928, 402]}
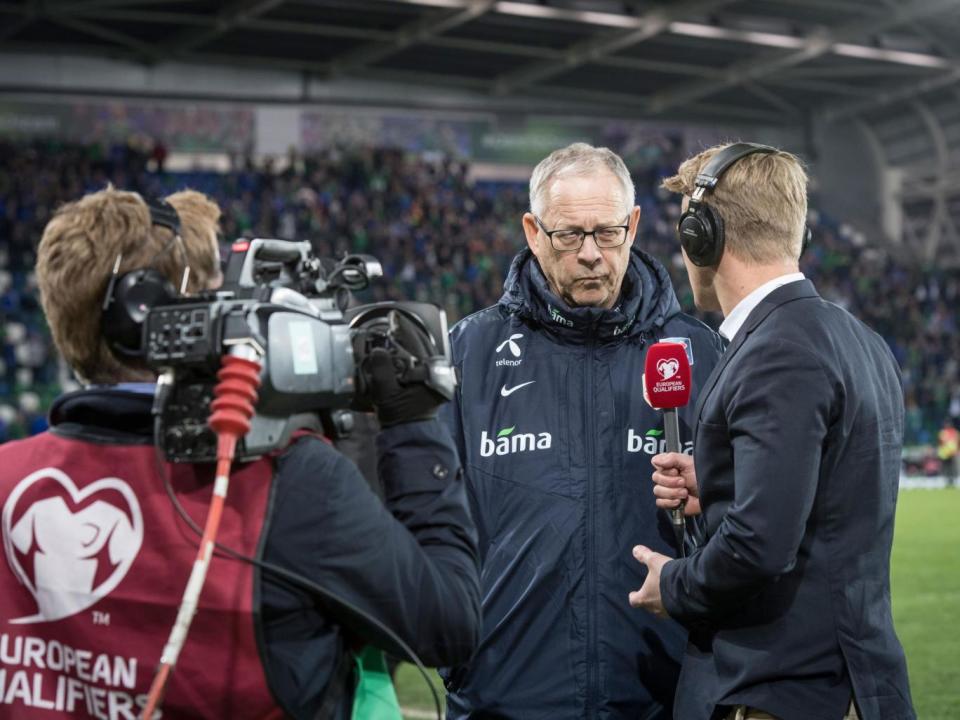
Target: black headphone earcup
{"type": "Point", "coordinates": [134, 294]}
{"type": "Point", "coordinates": [807, 237]}
{"type": "Point", "coordinates": [701, 235]}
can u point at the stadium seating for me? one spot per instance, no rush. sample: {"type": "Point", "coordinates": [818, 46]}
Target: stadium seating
{"type": "Point", "coordinates": [441, 238]}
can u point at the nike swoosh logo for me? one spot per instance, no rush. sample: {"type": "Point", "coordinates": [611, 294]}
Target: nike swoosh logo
{"type": "Point", "coordinates": [506, 392]}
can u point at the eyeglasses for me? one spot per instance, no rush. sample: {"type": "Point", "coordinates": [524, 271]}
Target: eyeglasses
{"type": "Point", "coordinates": [571, 239]}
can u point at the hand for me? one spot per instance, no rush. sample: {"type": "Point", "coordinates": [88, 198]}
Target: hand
{"type": "Point", "coordinates": [648, 597]}
{"type": "Point", "coordinates": [395, 387]}
{"type": "Point", "coordinates": [675, 479]}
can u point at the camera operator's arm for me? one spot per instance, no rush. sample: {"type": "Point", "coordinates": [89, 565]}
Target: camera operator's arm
{"type": "Point", "coordinates": [451, 416]}
{"type": "Point", "coordinates": [422, 481]}
{"type": "Point", "coordinates": [415, 570]}
{"type": "Point", "coordinates": [416, 461]}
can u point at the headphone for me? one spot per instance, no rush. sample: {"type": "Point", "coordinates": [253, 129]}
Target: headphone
{"type": "Point", "coordinates": [129, 297]}
{"type": "Point", "coordinates": [700, 228]}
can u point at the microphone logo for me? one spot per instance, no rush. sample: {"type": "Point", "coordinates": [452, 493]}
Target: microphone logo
{"type": "Point", "coordinates": [667, 367]}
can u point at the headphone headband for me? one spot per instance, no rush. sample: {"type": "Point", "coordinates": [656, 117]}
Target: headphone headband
{"type": "Point", "coordinates": [163, 213]}
{"type": "Point", "coordinates": [700, 228]}
{"type": "Point", "coordinates": [710, 174]}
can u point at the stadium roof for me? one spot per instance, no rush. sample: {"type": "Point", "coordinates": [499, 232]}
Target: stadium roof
{"type": "Point", "coordinates": [774, 61]}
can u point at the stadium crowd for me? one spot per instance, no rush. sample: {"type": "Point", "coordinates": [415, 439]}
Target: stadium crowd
{"type": "Point", "coordinates": [441, 237]}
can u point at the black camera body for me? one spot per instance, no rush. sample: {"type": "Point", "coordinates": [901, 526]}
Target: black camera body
{"type": "Point", "coordinates": [290, 309]}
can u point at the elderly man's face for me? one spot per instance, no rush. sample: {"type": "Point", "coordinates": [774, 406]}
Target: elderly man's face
{"type": "Point", "coordinates": [591, 276]}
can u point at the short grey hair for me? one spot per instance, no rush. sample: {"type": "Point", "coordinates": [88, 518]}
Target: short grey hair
{"type": "Point", "coordinates": [577, 159]}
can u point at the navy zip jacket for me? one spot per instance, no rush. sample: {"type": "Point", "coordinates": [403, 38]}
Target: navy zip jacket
{"type": "Point", "coordinates": [556, 441]}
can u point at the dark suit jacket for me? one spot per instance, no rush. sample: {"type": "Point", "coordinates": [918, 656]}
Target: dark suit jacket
{"type": "Point", "coordinates": [797, 452]}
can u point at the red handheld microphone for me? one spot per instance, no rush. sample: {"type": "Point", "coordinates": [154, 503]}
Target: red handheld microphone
{"type": "Point", "coordinates": [666, 381]}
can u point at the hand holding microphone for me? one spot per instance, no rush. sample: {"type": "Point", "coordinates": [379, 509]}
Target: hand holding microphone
{"type": "Point", "coordinates": [666, 386]}
{"type": "Point", "coordinates": [675, 483]}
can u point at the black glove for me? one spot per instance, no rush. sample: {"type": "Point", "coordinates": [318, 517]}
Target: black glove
{"type": "Point", "coordinates": [394, 375]}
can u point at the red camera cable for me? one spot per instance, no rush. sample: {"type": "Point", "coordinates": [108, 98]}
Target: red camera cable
{"type": "Point", "coordinates": [234, 399]}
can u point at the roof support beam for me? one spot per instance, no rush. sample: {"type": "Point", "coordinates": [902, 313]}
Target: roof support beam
{"type": "Point", "coordinates": [760, 66]}
{"type": "Point", "coordinates": [233, 14]}
{"type": "Point", "coordinates": [773, 99]}
{"type": "Point", "coordinates": [942, 47]}
{"type": "Point", "coordinates": [929, 191]}
{"type": "Point", "coordinates": [550, 55]}
{"type": "Point", "coordinates": [868, 7]}
{"type": "Point", "coordinates": [941, 153]}
{"type": "Point", "coordinates": [29, 13]}
{"type": "Point", "coordinates": [199, 20]}
{"type": "Point", "coordinates": [146, 16]}
{"type": "Point", "coordinates": [601, 45]}
{"type": "Point", "coordinates": [145, 52]}
{"type": "Point", "coordinates": [873, 69]}
{"type": "Point", "coordinates": [903, 92]}
{"type": "Point", "coordinates": [898, 94]}
{"type": "Point", "coordinates": [843, 89]}
{"type": "Point", "coordinates": [88, 6]}
{"type": "Point", "coordinates": [410, 34]}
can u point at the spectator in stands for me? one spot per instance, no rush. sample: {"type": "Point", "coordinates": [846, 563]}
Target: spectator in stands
{"type": "Point", "coordinates": [948, 449]}
{"type": "Point", "coordinates": [448, 239]}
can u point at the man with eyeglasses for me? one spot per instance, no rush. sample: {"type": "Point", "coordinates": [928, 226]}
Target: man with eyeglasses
{"type": "Point", "coordinates": [556, 441]}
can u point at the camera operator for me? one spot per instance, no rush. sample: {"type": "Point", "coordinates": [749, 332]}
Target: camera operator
{"type": "Point", "coordinates": [98, 550]}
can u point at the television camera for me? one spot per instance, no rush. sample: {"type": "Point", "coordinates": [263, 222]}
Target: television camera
{"type": "Point", "coordinates": [292, 309]}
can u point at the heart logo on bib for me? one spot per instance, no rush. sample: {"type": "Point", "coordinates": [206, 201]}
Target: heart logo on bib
{"type": "Point", "coordinates": [70, 547]}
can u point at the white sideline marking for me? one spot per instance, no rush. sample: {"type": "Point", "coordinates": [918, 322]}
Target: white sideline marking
{"type": "Point", "coordinates": [924, 483]}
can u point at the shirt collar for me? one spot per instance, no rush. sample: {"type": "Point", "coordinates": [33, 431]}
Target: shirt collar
{"type": "Point", "coordinates": [738, 316]}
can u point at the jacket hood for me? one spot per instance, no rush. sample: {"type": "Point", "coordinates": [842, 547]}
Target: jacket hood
{"type": "Point", "coordinates": [647, 301]}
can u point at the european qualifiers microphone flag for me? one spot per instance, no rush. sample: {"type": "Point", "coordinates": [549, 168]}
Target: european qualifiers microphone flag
{"type": "Point", "coordinates": [666, 383]}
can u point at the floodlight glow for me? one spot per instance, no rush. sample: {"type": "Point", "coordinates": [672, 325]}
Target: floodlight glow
{"type": "Point", "coordinates": [588, 17]}
{"type": "Point", "coordinates": [896, 56]}
{"type": "Point", "coordinates": [774, 39]}
{"type": "Point", "coordinates": [438, 3]}
{"type": "Point", "coordinates": [747, 36]}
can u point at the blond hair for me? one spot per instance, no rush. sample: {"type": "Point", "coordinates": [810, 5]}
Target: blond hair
{"type": "Point", "coordinates": [577, 159]}
{"type": "Point", "coordinates": [75, 259]}
{"type": "Point", "coordinates": [762, 199]}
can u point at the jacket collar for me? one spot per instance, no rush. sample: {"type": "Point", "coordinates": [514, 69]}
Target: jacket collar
{"type": "Point", "coordinates": [738, 316]}
{"type": "Point", "coordinates": [781, 296]}
{"type": "Point", "coordinates": [116, 408]}
{"type": "Point", "coordinates": [647, 301]}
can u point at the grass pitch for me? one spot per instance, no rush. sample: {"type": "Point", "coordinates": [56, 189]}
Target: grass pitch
{"type": "Point", "coordinates": [926, 606]}
{"type": "Point", "coordinates": [925, 579]}
{"type": "Point", "coordinates": [413, 693]}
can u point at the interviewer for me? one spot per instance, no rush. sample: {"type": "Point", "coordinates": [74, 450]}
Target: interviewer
{"type": "Point", "coordinates": [795, 468]}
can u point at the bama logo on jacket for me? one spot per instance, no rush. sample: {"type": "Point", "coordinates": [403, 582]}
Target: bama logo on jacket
{"type": "Point", "coordinates": [509, 442]}
{"type": "Point", "coordinates": [69, 547]}
{"type": "Point", "coordinates": [652, 442]}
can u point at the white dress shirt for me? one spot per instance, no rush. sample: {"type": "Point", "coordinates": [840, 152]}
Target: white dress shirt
{"type": "Point", "coordinates": [738, 316]}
